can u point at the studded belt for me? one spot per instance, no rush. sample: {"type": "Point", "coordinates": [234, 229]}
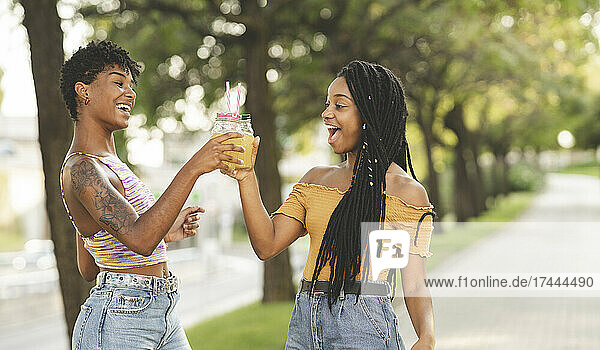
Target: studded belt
{"type": "Point", "coordinates": [156, 284]}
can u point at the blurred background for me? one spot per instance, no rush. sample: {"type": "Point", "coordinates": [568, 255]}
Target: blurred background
{"type": "Point", "coordinates": [504, 108]}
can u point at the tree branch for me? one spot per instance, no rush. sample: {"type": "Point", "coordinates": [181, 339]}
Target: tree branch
{"type": "Point", "coordinates": [188, 15]}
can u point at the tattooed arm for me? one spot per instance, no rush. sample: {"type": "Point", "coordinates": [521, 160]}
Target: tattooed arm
{"type": "Point", "coordinates": [91, 185]}
{"type": "Point", "coordinates": [110, 210]}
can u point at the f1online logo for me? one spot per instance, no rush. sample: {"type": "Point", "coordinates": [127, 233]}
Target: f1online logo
{"type": "Point", "coordinates": [388, 249]}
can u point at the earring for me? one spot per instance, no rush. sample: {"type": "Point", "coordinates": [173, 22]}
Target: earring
{"type": "Point", "coordinates": [87, 100]}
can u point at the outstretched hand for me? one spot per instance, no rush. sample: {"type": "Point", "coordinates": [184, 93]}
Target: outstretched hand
{"type": "Point", "coordinates": [241, 174]}
{"type": "Point", "coordinates": [185, 224]}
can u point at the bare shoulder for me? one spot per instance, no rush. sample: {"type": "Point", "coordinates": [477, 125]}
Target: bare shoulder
{"type": "Point", "coordinates": [81, 164]}
{"type": "Point", "coordinates": [317, 174]}
{"type": "Point", "coordinates": [407, 188]}
{"type": "Point", "coordinates": [81, 171]}
{"type": "Point", "coordinates": [79, 159]}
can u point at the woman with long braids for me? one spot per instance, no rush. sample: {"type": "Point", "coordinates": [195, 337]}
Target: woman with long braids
{"type": "Point", "coordinates": [121, 230]}
{"type": "Point", "coordinates": [366, 114]}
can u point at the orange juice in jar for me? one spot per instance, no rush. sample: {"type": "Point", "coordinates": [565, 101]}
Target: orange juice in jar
{"type": "Point", "coordinates": [228, 122]}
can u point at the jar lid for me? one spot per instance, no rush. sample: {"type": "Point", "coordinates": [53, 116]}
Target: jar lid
{"type": "Point", "coordinates": [233, 116]}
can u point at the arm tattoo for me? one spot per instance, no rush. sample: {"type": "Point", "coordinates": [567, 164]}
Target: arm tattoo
{"type": "Point", "coordinates": [115, 213]}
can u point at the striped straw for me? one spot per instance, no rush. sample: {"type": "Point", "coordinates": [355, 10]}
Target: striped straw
{"type": "Point", "coordinates": [228, 96]}
{"type": "Point", "coordinates": [239, 87]}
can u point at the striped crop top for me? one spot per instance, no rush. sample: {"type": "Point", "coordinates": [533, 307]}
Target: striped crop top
{"type": "Point", "coordinates": [109, 252]}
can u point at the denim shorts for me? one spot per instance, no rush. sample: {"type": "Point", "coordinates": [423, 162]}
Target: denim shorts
{"type": "Point", "coordinates": [353, 322]}
{"type": "Point", "coordinates": [127, 311]}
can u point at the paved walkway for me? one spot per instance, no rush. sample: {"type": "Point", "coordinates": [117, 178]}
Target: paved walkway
{"type": "Point", "coordinates": [560, 232]}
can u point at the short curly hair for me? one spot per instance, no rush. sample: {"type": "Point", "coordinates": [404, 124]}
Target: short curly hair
{"type": "Point", "coordinates": [87, 62]}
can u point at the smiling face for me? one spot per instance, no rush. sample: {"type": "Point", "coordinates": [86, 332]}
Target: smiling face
{"type": "Point", "coordinates": [111, 97]}
{"type": "Point", "coordinates": [341, 117]}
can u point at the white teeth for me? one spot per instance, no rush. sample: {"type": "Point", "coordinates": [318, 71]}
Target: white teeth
{"type": "Point", "coordinates": [125, 107]}
{"type": "Point", "coordinates": [331, 127]}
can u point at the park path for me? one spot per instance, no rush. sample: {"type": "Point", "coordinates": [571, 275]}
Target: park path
{"type": "Point", "coordinates": [567, 239]}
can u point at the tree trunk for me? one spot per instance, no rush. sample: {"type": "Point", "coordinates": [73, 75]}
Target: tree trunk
{"type": "Point", "coordinates": [496, 188]}
{"type": "Point", "coordinates": [463, 202]}
{"type": "Point", "coordinates": [479, 191]}
{"type": "Point", "coordinates": [466, 201]}
{"type": "Point", "coordinates": [278, 283]}
{"type": "Point", "coordinates": [504, 175]}
{"type": "Point", "coordinates": [432, 176]}
{"type": "Point", "coordinates": [433, 180]}
{"type": "Point", "coordinates": [55, 132]}
{"type": "Point", "coordinates": [500, 175]}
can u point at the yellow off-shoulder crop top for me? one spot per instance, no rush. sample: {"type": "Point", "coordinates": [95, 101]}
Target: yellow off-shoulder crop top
{"type": "Point", "coordinates": [312, 205]}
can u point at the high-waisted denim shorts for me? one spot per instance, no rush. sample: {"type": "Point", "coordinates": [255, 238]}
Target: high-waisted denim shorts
{"type": "Point", "coordinates": [353, 322]}
{"type": "Point", "coordinates": [126, 311]}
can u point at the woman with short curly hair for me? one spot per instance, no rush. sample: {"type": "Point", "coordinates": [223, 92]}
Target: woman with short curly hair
{"type": "Point", "coordinates": [121, 229]}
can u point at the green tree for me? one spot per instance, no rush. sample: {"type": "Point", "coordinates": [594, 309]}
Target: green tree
{"type": "Point", "coordinates": [478, 74]}
{"type": "Point", "coordinates": [450, 54]}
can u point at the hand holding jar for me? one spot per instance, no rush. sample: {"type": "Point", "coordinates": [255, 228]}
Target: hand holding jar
{"type": "Point", "coordinates": [239, 123]}
{"type": "Point", "coordinates": [228, 122]}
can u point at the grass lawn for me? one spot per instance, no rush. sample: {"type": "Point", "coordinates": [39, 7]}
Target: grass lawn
{"type": "Point", "coordinates": [259, 326]}
{"type": "Point", "coordinates": [255, 326]}
{"type": "Point", "coordinates": [592, 169]}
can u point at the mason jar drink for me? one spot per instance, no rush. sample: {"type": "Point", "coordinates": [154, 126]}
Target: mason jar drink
{"type": "Point", "coordinates": [229, 122]}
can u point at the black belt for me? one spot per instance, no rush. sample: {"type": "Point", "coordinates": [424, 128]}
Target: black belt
{"type": "Point", "coordinates": [380, 288]}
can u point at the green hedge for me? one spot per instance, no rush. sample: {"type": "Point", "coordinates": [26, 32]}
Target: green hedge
{"type": "Point", "coordinates": [524, 177]}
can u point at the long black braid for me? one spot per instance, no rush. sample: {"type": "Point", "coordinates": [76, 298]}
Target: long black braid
{"type": "Point", "coordinates": [380, 100]}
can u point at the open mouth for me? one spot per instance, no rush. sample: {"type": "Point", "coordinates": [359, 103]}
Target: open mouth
{"type": "Point", "coordinates": [124, 107]}
{"type": "Point", "coordinates": [334, 133]}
